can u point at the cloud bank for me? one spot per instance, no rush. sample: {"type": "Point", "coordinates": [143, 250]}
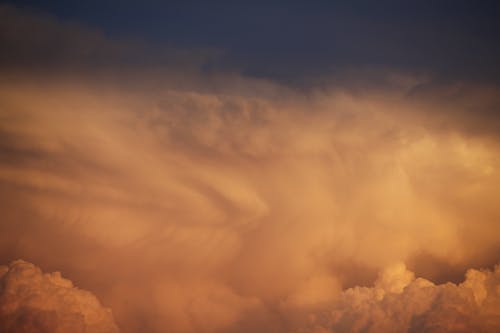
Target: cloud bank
{"type": "Point", "coordinates": [196, 202]}
{"type": "Point", "coordinates": [31, 301]}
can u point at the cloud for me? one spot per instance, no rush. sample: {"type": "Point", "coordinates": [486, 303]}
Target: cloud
{"type": "Point", "coordinates": [400, 303]}
{"type": "Point", "coordinates": [218, 203]}
{"type": "Point", "coordinates": [31, 301]}
{"type": "Point", "coordinates": [237, 211]}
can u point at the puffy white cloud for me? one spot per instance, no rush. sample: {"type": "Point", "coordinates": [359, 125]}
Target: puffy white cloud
{"type": "Point", "coordinates": [34, 302]}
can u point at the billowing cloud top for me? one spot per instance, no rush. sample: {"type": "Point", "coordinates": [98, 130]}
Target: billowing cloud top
{"type": "Point", "coordinates": [400, 303]}
{"type": "Point", "coordinates": [32, 302]}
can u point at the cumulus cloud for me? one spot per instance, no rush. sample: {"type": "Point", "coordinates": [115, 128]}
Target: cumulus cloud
{"type": "Point", "coordinates": [31, 301]}
{"type": "Point", "coordinates": [218, 203]}
{"type": "Point", "coordinates": [400, 303]}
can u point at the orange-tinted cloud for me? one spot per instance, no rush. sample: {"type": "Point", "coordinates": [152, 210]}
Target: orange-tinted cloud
{"type": "Point", "coordinates": [400, 303]}
{"type": "Point", "coordinates": [226, 204]}
{"type": "Point", "coordinates": [31, 301]}
{"type": "Point", "coordinates": [194, 210]}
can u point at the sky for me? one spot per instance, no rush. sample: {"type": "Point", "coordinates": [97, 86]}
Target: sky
{"type": "Point", "coordinates": [297, 41]}
{"type": "Point", "coordinates": [230, 167]}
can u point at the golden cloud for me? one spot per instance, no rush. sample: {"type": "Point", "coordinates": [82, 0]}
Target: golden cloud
{"type": "Point", "coordinates": [194, 202]}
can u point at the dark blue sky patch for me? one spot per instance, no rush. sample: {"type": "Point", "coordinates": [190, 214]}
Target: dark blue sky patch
{"type": "Point", "coordinates": [295, 40]}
